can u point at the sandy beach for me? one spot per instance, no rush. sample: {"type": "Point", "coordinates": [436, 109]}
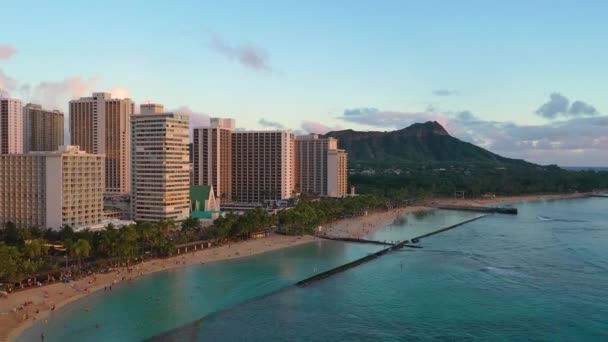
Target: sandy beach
{"type": "Point", "coordinates": [360, 226]}
{"type": "Point", "coordinates": [13, 321]}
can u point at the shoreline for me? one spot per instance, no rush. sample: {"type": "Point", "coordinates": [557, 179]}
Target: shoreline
{"type": "Point", "coordinates": [506, 199]}
{"type": "Point", "coordinates": [12, 323]}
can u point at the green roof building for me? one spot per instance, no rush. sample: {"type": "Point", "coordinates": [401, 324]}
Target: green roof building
{"type": "Point", "coordinates": [203, 204]}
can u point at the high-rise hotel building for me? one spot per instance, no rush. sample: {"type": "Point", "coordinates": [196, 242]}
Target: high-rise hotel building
{"type": "Point", "coordinates": [160, 165]}
{"type": "Point", "coordinates": [43, 129]}
{"type": "Point", "coordinates": [52, 189]}
{"type": "Point", "coordinates": [11, 126]}
{"type": "Point", "coordinates": [337, 173]}
{"type": "Point", "coordinates": [101, 124]}
{"type": "Point", "coordinates": [212, 157]}
{"type": "Point", "coordinates": [321, 166]}
{"type": "Point", "coordinates": [263, 166]}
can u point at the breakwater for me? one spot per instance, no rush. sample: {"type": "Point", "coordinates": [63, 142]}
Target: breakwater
{"type": "Point", "coordinates": [346, 239]}
{"type": "Point", "coordinates": [489, 210]}
{"type": "Point", "coordinates": [378, 254]}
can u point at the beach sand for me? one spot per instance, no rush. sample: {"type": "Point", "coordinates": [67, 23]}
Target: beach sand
{"type": "Point", "coordinates": [360, 226]}
{"type": "Point", "coordinates": [13, 322]}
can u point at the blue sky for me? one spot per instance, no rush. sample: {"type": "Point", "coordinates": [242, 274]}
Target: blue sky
{"type": "Point", "coordinates": [301, 65]}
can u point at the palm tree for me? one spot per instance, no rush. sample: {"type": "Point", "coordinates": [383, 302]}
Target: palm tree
{"type": "Point", "coordinates": [190, 223]}
{"type": "Point", "coordinates": [127, 242]}
{"type": "Point", "coordinates": [35, 248]}
{"type": "Point", "coordinates": [81, 248]}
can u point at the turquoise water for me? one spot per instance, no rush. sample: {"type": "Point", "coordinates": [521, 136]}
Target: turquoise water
{"type": "Point", "coordinates": [416, 224]}
{"type": "Point", "coordinates": [541, 275]}
{"type": "Point", "coordinates": [165, 300]}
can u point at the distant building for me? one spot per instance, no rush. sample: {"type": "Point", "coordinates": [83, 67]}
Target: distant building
{"type": "Point", "coordinates": [52, 189]}
{"type": "Point", "coordinates": [212, 157]}
{"type": "Point", "coordinates": [263, 166]}
{"type": "Point", "coordinates": [257, 168]}
{"type": "Point", "coordinates": [43, 129]}
{"type": "Point", "coordinates": [320, 166]}
{"type": "Point", "coordinates": [101, 124]}
{"type": "Point", "coordinates": [11, 126]}
{"type": "Point", "coordinates": [337, 171]}
{"type": "Point", "coordinates": [160, 165]}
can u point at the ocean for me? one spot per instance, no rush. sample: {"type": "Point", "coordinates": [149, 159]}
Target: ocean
{"type": "Point", "coordinates": [541, 275]}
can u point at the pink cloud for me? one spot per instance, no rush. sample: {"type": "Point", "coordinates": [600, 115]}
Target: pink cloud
{"type": "Point", "coordinates": [247, 55]}
{"type": "Point", "coordinates": [7, 83]}
{"type": "Point", "coordinates": [7, 51]}
{"type": "Point", "coordinates": [197, 119]}
{"type": "Point", "coordinates": [55, 94]}
{"type": "Point", "coordinates": [319, 128]}
{"type": "Point", "coordinates": [119, 92]}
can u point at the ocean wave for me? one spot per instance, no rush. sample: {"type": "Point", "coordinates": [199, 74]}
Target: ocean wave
{"type": "Point", "coordinates": [546, 218]}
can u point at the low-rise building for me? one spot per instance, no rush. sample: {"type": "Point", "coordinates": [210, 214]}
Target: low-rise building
{"type": "Point", "coordinates": [203, 204]}
{"type": "Point", "coordinates": [52, 189]}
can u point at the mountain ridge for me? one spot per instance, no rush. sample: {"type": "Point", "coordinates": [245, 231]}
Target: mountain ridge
{"type": "Point", "coordinates": [427, 142]}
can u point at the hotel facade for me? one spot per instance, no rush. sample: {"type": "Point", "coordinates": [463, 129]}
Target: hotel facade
{"type": "Point", "coordinates": [321, 166]}
{"type": "Point", "coordinates": [52, 189]}
{"type": "Point", "coordinates": [11, 126]}
{"type": "Point", "coordinates": [160, 165]}
{"type": "Point", "coordinates": [101, 124]}
{"type": "Point", "coordinates": [263, 166]}
{"type": "Point", "coordinates": [337, 173]}
{"type": "Point", "coordinates": [43, 129]}
{"type": "Point", "coordinates": [212, 157]}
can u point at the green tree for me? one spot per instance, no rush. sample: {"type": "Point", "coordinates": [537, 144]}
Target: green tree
{"type": "Point", "coordinates": [10, 264]}
{"type": "Point", "coordinates": [81, 249]}
{"type": "Point", "coordinates": [127, 243]}
{"type": "Point", "coordinates": [10, 234]}
{"type": "Point", "coordinates": [34, 249]}
{"type": "Point", "coordinates": [191, 223]}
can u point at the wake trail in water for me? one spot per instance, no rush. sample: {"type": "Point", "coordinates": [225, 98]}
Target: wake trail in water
{"type": "Point", "coordinates": [551, 219]}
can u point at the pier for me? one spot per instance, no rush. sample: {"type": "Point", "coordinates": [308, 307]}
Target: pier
{"type": "Point", "coordinates": [350, 265]}
{"type": "Point", "coordinates": [373, 256]}
{"type": "Point", "coordinates": [416, 239]}
{"type": "Point", "coordinates": [599, 195]}
{"type": "Point", "coordinates": [489, 210]}
{"type": "Point", "coordinates": [346, 239]}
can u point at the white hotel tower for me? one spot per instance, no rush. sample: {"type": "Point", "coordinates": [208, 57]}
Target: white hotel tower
{"type": "Point", "coordinates": [160, 165]}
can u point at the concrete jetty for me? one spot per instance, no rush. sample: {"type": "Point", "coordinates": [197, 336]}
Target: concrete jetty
{"type": "Point", "coordinates": [373, 256]}
{"type": "Point", "coordinates": [346, 239]}
{"type": "Point", "coordinates": [416, 239]}
{"type": "Point", "coordinates": [348, 266]}
{"type": "Point", "coordinates": [489, 210]}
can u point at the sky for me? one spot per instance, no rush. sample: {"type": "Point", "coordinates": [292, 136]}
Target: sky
{"type": "Point", "coordinates": [525, 79]}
